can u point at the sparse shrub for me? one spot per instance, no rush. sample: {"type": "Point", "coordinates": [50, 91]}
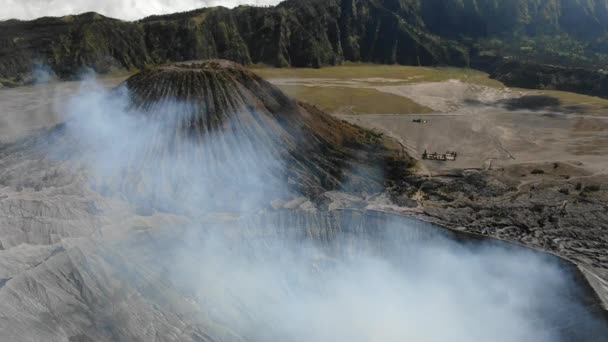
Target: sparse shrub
{"type": "Point", "coordinates": [537, 172]}
{"type": "Point", "coordinates": [591, 188]}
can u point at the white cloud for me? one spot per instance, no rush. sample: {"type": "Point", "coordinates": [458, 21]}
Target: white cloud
{"type": "Point", "coordinates": [122, 9]}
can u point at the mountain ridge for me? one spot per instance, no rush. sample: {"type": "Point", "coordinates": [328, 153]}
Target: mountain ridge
{"type": "Point", "coordinates": [317, 33]}
{"type": "Point", "coordinates": [313, 34]}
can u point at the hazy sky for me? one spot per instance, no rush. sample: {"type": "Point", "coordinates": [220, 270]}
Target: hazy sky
{"type": "Point", "coordinates": [122, 9]}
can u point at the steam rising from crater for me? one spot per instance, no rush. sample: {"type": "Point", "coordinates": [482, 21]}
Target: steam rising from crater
{"type": "Point", "coordinates": [400, 280]}
{"type": "Point", "coordinates": [278, 289]}
{"type": "Point", "coordinates": [148, 162]}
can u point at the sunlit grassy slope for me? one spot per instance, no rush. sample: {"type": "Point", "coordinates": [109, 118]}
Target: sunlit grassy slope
{"type": "Point", "coordinates": [355, 87]}
{"type": "Point", "coordinates": [346, 100]}
{"type": "Point", "coordinates": [369, 72]}
{"type": "Point", "coordinates": [361, 97]}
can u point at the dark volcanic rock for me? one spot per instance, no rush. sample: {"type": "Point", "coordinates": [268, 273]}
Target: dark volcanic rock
{"type": "Point", "coordinates": [544, 210]}
{"type": "Point", "coordinates": [222, 98]}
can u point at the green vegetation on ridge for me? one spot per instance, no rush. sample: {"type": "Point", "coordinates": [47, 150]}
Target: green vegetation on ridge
{"type": "Point", "coordinates": [316, 33]}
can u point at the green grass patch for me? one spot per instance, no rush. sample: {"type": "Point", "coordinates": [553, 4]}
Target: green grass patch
{"type": "Point", "coordinates": [346, 100]}
{"type": "Point", "coordinates": [405, 74]}
{"type": "Point", "coordinates": [361, 97]}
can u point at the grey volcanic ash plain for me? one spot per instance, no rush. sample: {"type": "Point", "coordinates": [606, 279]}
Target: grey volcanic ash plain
{"type": "Point", "coordinates": [196, 202]}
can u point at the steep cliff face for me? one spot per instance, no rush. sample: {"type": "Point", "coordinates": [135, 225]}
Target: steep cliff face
{"type": "Point", "coordinates": [315, 33]}
{"type": "Point", "coordinates": [480, 18]}
{"type": "Point", "coordinates": [65, 46]}
{"type": "Point", "coordinates": [389, 32]}
{"type": "Point", "coordinates": [295, 33]}
{"type": "Point", "coordinates": [208, 33]}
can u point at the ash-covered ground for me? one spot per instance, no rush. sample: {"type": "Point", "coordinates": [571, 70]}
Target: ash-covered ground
{"type": "Point", "coordinates": [531, 165]}
{"type": "Point", "coordinates": [198, 203]}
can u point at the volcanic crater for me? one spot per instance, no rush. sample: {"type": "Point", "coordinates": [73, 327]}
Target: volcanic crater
{"type": "Point", "coordinates": [199, 266]}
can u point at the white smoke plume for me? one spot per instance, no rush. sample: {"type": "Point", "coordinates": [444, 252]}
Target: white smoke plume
{"type": "Point", "coordinates": [143, 156]}
{"type": "Point", "coordinates": [121, 9]}
{"type": "Point", "coordinates": [281, 289]}
{"type": "Point", "coordinates": [267, 286]}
